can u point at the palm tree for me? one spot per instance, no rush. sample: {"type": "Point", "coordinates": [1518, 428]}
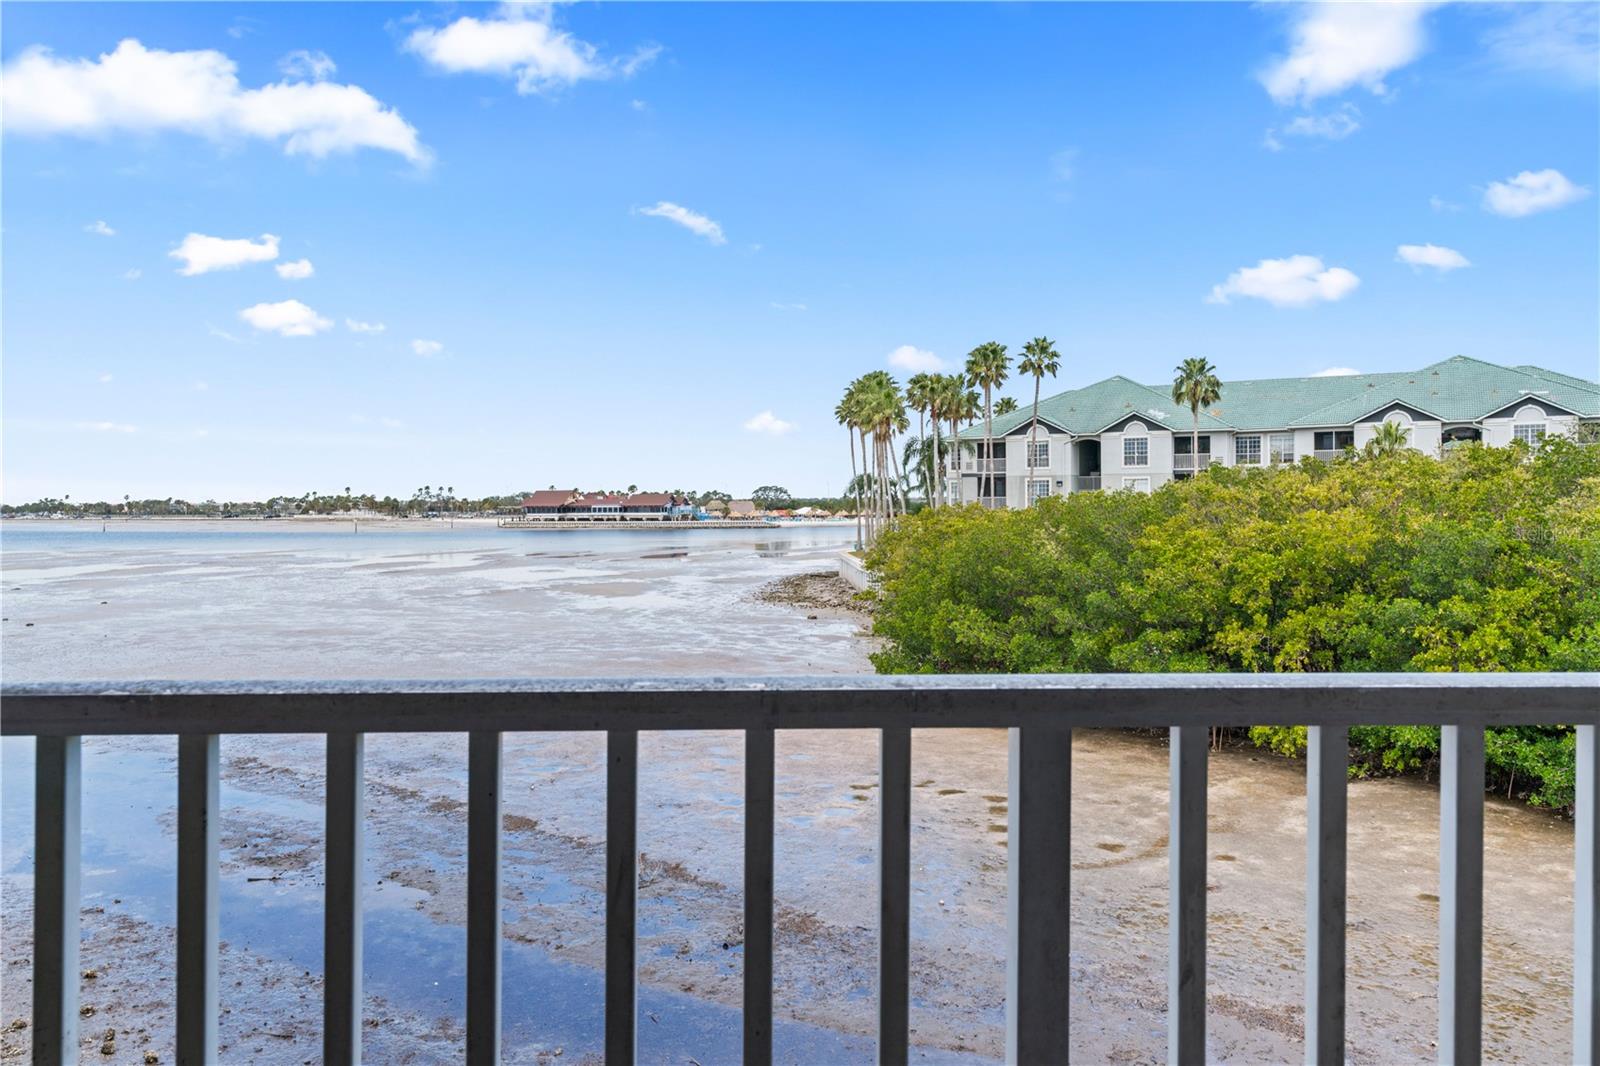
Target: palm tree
{"type": "Point", "coordinates": [1005, 405]}
{"type": "Point", "coordinates": [847, 413]}
{"type": "Point", "coordinates": [1391, 437]}
{"type": "Point", "coordinates": [987, 367]}
{"type": "Point", "coordinates": [1195, 386]}
{"type": "Point", "coordinates": [1039, 357]}
{"type": "Point", "coordinates": [919, 397]}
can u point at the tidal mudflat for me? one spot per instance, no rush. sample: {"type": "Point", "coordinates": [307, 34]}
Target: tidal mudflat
{"type": "Point", "coordinates": [270, 602]}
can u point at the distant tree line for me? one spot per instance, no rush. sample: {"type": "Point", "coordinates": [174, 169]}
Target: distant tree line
{"type": "Point", "coordinates": [1487, 559]}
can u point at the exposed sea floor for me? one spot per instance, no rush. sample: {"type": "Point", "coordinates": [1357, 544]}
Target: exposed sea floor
{"type": "Point", "coordinates": [202, 601]}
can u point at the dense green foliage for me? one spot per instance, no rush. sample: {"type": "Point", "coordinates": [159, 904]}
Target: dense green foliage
{"type": "Point", "coordinates": [1488, 559]}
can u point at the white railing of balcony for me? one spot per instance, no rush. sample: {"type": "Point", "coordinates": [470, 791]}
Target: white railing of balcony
{"type": "Point", "coordinates": [1041, 711]}
{"type": "Point", "coordinates": [1086, 482]}
{"type": "Point", "coordinates": [1186, 462]}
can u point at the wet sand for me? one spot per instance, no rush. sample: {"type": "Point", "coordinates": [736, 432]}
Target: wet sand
{"type": "Point", "coordinates": [690, 907]}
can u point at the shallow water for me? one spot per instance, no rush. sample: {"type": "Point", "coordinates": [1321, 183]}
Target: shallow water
{"type": "Point", "coordinates": [196, 600]}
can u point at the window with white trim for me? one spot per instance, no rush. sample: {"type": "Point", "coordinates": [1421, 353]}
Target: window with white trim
{"type": "Point", "coordinates": [1039, 453]}
{"type": "Point", "coordinates": [1529, 433]}
{"type": "Point", "coordinates": [1281, 447]}
{"type": "Point", "coordinates": [1135, 451]}
{"type": "Point", "coordinates": [1247, 451]}
{"type": "Point", "coordinates": [1038, 490]}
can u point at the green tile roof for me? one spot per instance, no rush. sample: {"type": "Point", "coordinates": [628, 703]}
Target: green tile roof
{"type": "Point", "coordinates": [1457, 389]}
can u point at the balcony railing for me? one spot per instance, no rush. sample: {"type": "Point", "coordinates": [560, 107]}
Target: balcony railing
{"type": "Point", "coordinates": [1327, 455]}
{"type": "Point", "coordinates": [1086, 483]}
{"type": "Point", "coordinates": [1184, 462]}
{"type": "Point", "coordinates": [994, 503]}
{"type": "Point", "coordinates": [1040, 711]}
{"type": "Point", "coordinates": [972, 465]}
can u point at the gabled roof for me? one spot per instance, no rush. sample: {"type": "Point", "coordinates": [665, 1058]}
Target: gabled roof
{"type": "Point", "coordinates": [1097, 407]}
{"type": "Point", "coordinates": [549, 497]}
{"type": "Point", "coordinates": [1458, 389]}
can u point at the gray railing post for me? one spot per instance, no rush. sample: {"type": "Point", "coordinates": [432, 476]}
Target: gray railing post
{"type": "Point", "coordinates": [198, 837]}
{"type": "Point", "coordinates": [1586, 902]}
{"type": "Point", "coordinates": [758, 829]}
{"type": "Point", "coordinates": [622, 888]}
{"type": "Point", "coordinates": [1186, 909]}
{"type": "Point", "coordinates": [894, 895]}
{"type": "Point", "coordinates": [1038, 894]}
{"type": "Point", "coordinates": [1461, 894]}
{"type": "Point", "coordinates": [341, 918]}
{"type": "Point", "coordinates": [57, 844]}
{"type": "Point", "coordinates": [1327, 771]}
{"type": "Point", "coordinates": [483, 897]}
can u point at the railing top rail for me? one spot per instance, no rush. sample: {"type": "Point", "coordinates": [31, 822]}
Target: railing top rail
{"type": "Point", "coordinates": [976, 700]}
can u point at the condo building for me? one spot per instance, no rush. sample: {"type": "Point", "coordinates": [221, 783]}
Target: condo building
{"type": "Point", "coordinates": [1119, 434]}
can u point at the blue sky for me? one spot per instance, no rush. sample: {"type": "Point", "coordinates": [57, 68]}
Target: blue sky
{"type": "Point", "coordinates": [614, 244]}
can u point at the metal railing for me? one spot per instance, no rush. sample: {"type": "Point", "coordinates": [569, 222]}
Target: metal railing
{"type": "Point", "coordinates": [1086, 483]}
{"type": "Point", "coordinates": [1186, 462]}
{"type": "Point", "coordinates": [1328, 455]}
{"type": "Point", "coordinates": [1041, 712]}
{"type": "Point", "coordinates": [994, 503]}
{"type": "Point", "coordinates": [972, 465]}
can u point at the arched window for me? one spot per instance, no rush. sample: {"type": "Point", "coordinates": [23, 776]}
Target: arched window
{"type": "Point", "coordinates": [1529, 425]}
{"type": "Point", "coordinates": [1135, 445]}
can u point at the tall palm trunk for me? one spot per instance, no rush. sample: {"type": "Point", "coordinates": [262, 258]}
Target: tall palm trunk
{"type": "Point", "coordinates": [1033, 432]}
{"type": "Point", "coordinates": [988, 444]}
{"type": "Point", "coordinates": [867, 515]}
{"type": "Point", "coordinates": [899, 479]}
{"type": "Point", "coordinates": [850, 432]}
{"type": "Point", "coordinates": [938, 469]}
{"type": "Point", "coordinates": [1194, 442]}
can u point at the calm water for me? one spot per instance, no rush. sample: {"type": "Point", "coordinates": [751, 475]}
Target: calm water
{"type": "Point", "coordinates": [284, 600]}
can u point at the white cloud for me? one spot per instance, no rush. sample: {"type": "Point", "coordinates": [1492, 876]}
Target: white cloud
{"type": "Point", "coordinates": [355, 326]}
{"type": "Point", "coordinates": [1440, 204]}
{"type": "Point", "coordinates": [1431, 255]}
{"type": "Point", "coordinates": [1340, 45]}
{"type": "Point", "coordinates": [693, 221]}
{"type": "Point", "coordinates": [307, 65]}
{"type": "Point", "coordinates": [99, 228]}
{"type": "Point", "coordinates": [1336, 372]}
{"type": "Point", "coordinates": [642, 57]}
{"type": "Point", "coordinates": [202, 254]}
{"type": "Point", "coordinates": [426, 348]}
{"type": "Point", "coordinates": [146, 90]}
{"type": "Point", "coordinates": [288, 318]}
{"type": "Point", "coordinates": [1334, 126]}
{"type": "Point", "coordinates": [1298, 281]}
{"type": "Point", "coordinates": [296, 270]}
{"type": "Point", "coordinates": [132, 275]}
{"type": "Point", "coordinates": [916, 360]}
{"type": "Point", "coordinates": [521, 42]}
{"type": "Point", "coordinates": [767, 422]}
{"type": "Point", "coordinates": [1553, 40]}
{"type": "Point", "coordinates": [1064, 164]}
{"type": "Point", "coordinates": [1530, 192]}
{"type": "Point", "coordinates": [108, 427]}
